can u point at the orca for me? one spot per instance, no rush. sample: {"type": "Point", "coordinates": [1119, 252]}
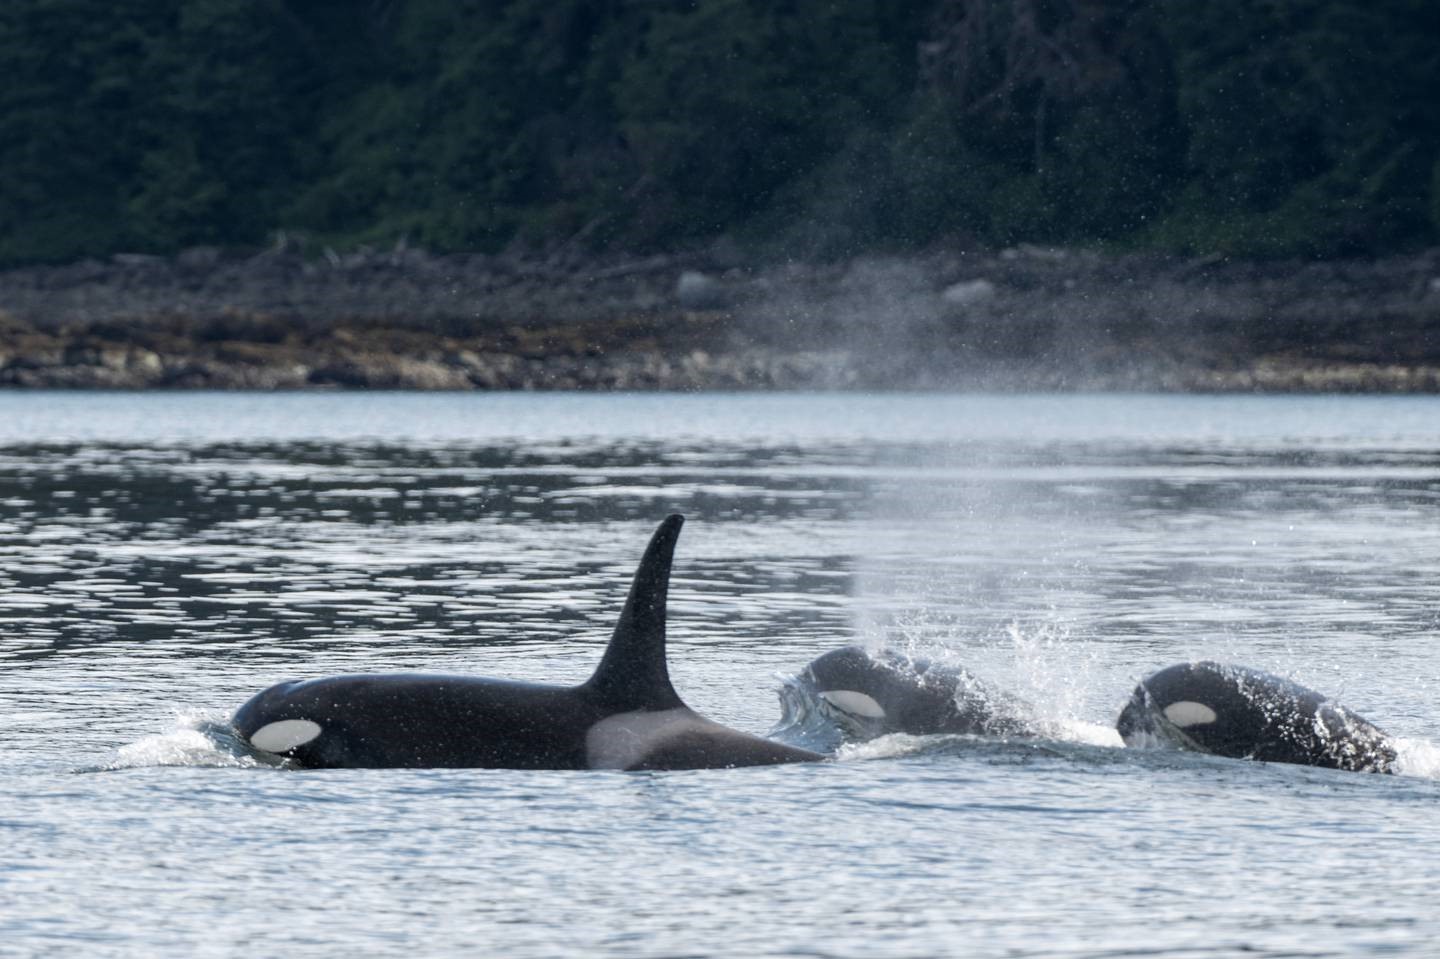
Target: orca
{"type": "Point", "coordinates": [1248, 714]}
{"type": "Point", "coordinates": [864, 695]}
{"type": "Point", "coordinates": [626, 716]}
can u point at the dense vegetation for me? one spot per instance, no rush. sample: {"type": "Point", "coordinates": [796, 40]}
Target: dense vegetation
{"type": "Point", "coordinates": [804, 127]}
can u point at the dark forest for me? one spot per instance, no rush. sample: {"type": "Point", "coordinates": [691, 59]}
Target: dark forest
{"type": "Point", "coordinates": [814, 128]}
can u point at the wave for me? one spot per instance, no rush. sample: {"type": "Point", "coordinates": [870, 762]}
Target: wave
{"type": "Point", "coordinates": [196, 740]}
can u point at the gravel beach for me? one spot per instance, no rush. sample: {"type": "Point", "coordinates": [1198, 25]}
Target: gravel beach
{"type": "Point", "coordinates": [1024, 318]}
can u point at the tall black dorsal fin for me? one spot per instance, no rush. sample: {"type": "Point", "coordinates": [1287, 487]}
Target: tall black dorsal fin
{"type": "Point", "coordinates": [633, 674]}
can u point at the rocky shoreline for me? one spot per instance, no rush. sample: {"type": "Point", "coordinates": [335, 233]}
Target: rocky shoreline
{"type": "Point", "coordinates": [1019, 319]}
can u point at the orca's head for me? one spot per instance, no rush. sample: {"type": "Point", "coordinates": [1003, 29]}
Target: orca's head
{"type": "Point", "coordinates": [868, 695]}
{"type": "Point", "coordinates": [1212, 707]}
{"type": "Point", "coordinates": [281, 723]}
{"type": "Point", "coordinates": [1178, 706]}
{"type": "Point", "coordinates": [1248, 714]}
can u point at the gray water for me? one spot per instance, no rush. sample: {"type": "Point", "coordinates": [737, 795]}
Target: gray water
{"type": "Point", "coordinates": [167, 555]}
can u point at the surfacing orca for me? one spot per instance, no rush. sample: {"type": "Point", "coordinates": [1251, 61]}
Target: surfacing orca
{"type": "Point", "coordinates": [865, 695]}
{"type": "Point", "coordinates": [626, 716]}
{"type": "Point", "coordinates": [1247, 714]}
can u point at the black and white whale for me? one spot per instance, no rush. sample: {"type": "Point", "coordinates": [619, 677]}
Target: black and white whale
{"type": "Point", "coordinates": [863, 695]}
{"type": "Point", "coordinates": [626, 716]}
{"type": "Point", "coordinates": [1247, 714]}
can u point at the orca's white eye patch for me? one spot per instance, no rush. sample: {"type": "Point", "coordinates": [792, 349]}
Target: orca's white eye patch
{"type": "Point", "coordinates": [285, 734]}
{"type": "Point", "coordinates": [1187, 713]}
{"type": "Point", "coordinates": [856, 704]}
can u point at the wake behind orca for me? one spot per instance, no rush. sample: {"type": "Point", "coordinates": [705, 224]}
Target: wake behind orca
{"type": "Point", "coordinates": [626, 716]}
{"type": "Point", "coordinates": [1247, 714]}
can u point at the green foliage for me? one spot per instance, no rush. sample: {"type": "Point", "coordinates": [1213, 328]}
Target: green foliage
{"type": "Point", "coordinates": [65, 148]}
{"type": "Point", "coordinates": [726, 102]}
{"type": "Point", "coordinates": [1057, 128]}
{"type": "Point", "coordinates": [1311, 124]}
{"type": "Point", "coordinates": [145, 126]}
{"type": "Point", "coordinates": [488, 120]}
{"type": "Point", "coordinates": [812, 127]}
{"type": "Point", "coordinates": [1435, 197]}
{"type": "Point", "coordinates": [221, 139]}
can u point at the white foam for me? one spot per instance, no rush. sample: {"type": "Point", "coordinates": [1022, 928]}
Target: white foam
{"type": "Point", "coordinates": [1417, 757]}
{"type": "Point", "coordinates": [1056, 674]}
{"type": "Point", "coordinates": [195, 741]}
{"type": "Point", "coordinates": [885, 747]}
{"type": "Point", "coordinates": [1090, 734]}
{"type": "Point", "coordinates": [179, 747]}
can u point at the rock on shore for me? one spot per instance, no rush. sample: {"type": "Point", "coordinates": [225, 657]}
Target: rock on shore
{"type": "Point", "coordinates": [1019, 319]}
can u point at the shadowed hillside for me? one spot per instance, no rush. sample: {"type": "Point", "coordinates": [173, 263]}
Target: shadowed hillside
{"type": "Point", "coordinates": [808, 128]}
{"type": "Point", "coordinates": [726, 193]}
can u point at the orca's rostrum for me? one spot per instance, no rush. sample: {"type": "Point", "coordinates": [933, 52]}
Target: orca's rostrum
{"type": "Point", "coordinates": [626, 716]}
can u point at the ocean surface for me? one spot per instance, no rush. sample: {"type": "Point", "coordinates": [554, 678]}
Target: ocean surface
{"type": "Point", "coordinates": [165, 555]}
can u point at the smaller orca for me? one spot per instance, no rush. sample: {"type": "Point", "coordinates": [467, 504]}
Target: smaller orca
{"type": "Point", "coordinates": [626, 716]}
{"type": "Point", "coordinates": [864, 695]}
{"type": "Point", "coordinates": [1248, 714]}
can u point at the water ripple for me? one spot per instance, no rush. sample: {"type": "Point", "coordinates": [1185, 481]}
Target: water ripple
{"type": "Point", "coordinates": [161, 558]}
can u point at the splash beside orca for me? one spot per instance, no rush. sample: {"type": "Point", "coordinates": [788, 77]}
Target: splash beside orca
{"type": "Point", "coordinates": [1248, 714]}
{"type": "Point", "coordinates": [626, 716]}
{"type": "Point", "coordinates": [853, 695]}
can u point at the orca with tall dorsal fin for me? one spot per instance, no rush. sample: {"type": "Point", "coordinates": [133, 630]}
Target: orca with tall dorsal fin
{"type": "Point", "coordinates": [626, 716]}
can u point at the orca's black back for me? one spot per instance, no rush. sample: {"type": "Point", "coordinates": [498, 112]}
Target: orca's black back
{"type": "Point", "coordinates": [423, 721]}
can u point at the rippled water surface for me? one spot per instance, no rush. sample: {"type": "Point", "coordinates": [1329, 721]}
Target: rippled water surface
{"type": "Point", "coordinates": [167, 555]}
